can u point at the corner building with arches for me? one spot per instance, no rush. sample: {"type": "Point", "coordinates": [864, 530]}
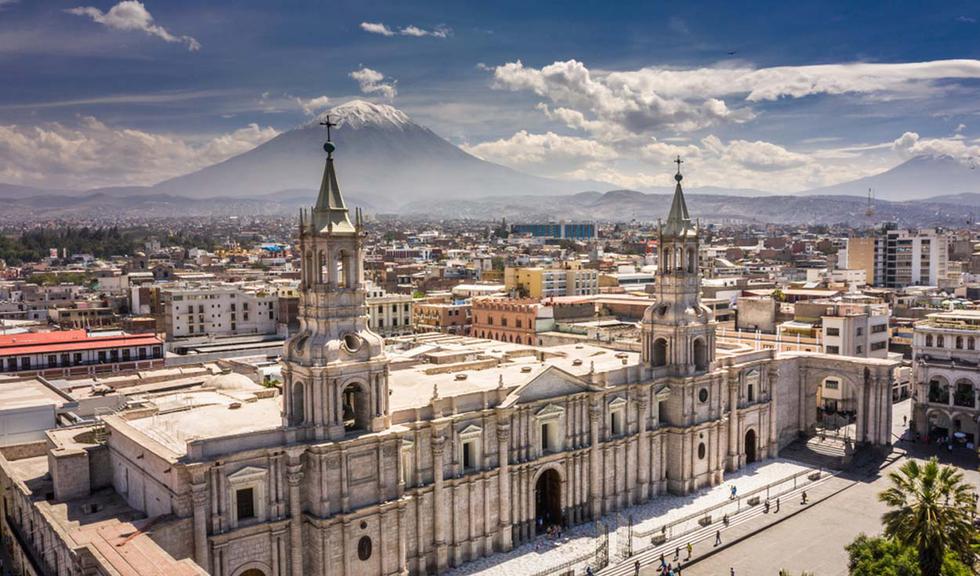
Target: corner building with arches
{"type": "Point", "coordinates": [369, 467]}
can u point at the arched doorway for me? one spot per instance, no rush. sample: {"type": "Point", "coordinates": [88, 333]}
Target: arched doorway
{"type": "Point", "coordinates": [547, 501]}
{"type": "Point", "coordinates": [252, 572]}
{"type": "Point", "coordinates": [700, 354]}
{"type": "Point", "coordinates": [750, 447]}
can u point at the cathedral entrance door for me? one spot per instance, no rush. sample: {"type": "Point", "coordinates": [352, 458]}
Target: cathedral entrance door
{"type": "Point", "coordinates": [750, 447]}
{"type": "Point", "coordinates": [547, 501]}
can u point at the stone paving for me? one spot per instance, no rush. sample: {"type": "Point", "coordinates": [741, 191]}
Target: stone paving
{"type": "Point", "coordinates": [544, 553]}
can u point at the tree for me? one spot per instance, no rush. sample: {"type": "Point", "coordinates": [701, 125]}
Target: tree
{"type": "Point", "coordinates": [930, 513]}
{"type": "Point", "coordinates": [881, 556]}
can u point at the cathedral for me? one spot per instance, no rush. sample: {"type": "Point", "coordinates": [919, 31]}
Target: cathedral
{"type": "Point", "coordinates": [369, 467]}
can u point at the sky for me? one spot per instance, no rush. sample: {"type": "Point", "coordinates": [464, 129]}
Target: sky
{"type": "Point", "coordinates": [776, 96]}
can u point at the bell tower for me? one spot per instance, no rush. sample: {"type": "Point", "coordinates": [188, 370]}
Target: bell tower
{"type": "Point", "coordinates": [335, 373]}
{"type": "Point", "coordinates": [678, 331]}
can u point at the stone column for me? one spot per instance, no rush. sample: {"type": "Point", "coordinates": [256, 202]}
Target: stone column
{"type": "Point", "coordinates": [594, 414]}
{"type": "Point", "coordinates": [402, 543]}
{"type": "Point", "coordinates": [438, 444]}
{"type": "Point", "coordinates": [199, 498]}
{"type": "Point", "coordinates": [802, 407]}
{"type": "Point", "coordinates": [643, 450]}
{"type": "Point", "coordinates": [773, 425]}
{"type": "Point", "coordinates": [294, 476]}
{"type": "Point", "coordinates": [732, 422]}
{"type": "Point", "coordinates": [503, 486]}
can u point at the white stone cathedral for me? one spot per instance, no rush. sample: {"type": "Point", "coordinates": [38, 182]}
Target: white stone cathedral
{"type": "Point", "coordinates": [369, 470]}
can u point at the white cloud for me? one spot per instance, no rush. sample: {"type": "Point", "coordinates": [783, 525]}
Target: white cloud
{"type": "Point", "coordinates": [377, 28]}
{"type": "Point", "coordinates": [132, 15]}
{"type": "Point", "coordinates": [313, 105]}
{"type": "Point", "coordinates": [91, 153]}
{"type": "Point", "coordinates": [910, 144]}
{"type": "Point", "coordinates": [410, 30]}
{"type": "Point", "coordinates": [5, 3]}
{"type": "Point", "coordinates": [550, 154]}
{"type": "Point", "coordinates": [372, 82]}
{"type": "Point", "coordinates": [645, 100]}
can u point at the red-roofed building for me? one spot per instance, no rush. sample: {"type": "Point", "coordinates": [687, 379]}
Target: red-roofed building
{"type": "Point", "coordinates": [75, 352]}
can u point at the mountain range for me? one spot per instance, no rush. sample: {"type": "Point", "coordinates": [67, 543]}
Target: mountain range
{"type": "Point", "coordinates": [388, 163]}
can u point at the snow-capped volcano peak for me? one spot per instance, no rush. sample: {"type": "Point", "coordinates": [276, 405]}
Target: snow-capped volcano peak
{"type": "Point", "coordinates": [358, 113]}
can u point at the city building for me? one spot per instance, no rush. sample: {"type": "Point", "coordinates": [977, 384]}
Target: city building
{"type": "Point", "coordinates": [447, 317]}
{"type": "Point", "coordinates": [511, 320]}
{"type": "Point", "coordinates": [540, 283]}
{"type": "Point", "coordinates": [910, 257]}
{"type": "Point", "coordinates": [218, 310]}
{"type": "Point", "coordinates": [849, 328]}
{"type": "Point", "coordinates": [389, 314]}
{"type": "Point", "coordinates": [370, 467]}
{"type": "Point", "coordinates": [71, 352]}
{"type": "Point", "coordinates": [946, 377]}
{"type": "Point", "coordinates": [558, 230]}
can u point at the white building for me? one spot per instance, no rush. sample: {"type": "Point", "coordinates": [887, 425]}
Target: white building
{"type": "Point", "coordinates": [389, 314]}
{"type": "Point", "coordinates": [946, 376]}
{"type": "Point", "coordinates": [218, 310]}
{"type": "Point", "coordinates": [856, 329]}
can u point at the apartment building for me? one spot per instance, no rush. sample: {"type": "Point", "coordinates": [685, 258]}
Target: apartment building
{"type": "Point", "coordinates": [851, 329]}
{"type": "Point", "coordinates": [910, 257]}
{"type": "Point", "coordinates": [450, 318]}
{"type": "Point", "coordinates": [539, 283]}
{"type": "Point", "coordinates": [218, 310]}
{"type": "Point", "coordinates": [511, 319]}
{"type": "Point", "coordinates": [389, 314]}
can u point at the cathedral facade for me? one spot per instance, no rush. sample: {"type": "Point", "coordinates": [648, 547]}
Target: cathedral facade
{"type": "Point", "coordinates": [363, 468]}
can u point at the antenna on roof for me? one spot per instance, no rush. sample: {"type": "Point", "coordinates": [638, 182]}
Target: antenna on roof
{"type": "Point", "coordinates": [870, 210]}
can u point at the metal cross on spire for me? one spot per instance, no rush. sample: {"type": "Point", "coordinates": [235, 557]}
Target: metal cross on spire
{"type": "Point", "coordinates": [678, 162]}
{"type": "Point", "coordinates": [329, 125]}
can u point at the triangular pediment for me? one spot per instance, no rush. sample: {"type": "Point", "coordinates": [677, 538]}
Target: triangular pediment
{"type": "Point", "coordinates": [617, 402]}
{"type": "Point", "coordinates": [472, 429]}
{"type": "Point", "coordinates": [246, 473]}
{"type": "Point", "coordinates": [552, 382]}
{"type": "Point", "coordinates": [550, 410]}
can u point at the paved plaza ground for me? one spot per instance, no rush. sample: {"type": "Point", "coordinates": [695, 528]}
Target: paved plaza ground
{"type": "Point", "coordinates": [814, 539]}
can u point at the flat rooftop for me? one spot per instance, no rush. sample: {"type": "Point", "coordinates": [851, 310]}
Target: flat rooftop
{"type": "Point", "coordinates": [27, 393]}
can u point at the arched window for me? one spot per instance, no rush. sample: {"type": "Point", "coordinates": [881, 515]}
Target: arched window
{"type": "Point", "coordinates": [700, 354]}
{"type": "Point", "coordinates": [929, 340]}
{"type": "Point", "coordinates": [959, 342]}
{"type": "Point", "coordinates": [692, 260]}
{"type": "Point", "coordinates": [660, 352]}
{"type": "Point", "coordinates": [940, 341]}
{"type": "Point", "coordinates": [963, 395]}
{"type": "Point", "coordinates": [971, 344]}
{"type": "Point", "coordinates": [297, 403]}
{"type": "Point", "coordinates": [356, 407]}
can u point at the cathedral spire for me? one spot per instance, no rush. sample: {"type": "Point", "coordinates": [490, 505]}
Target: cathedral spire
{"type": "Point", "coordinates": [330, 212]}
{"type": "Point", "coordinates": [679, 220]}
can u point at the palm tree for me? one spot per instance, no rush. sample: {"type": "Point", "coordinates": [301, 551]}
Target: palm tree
{"type": "Point", "coordinates": [931, 512]}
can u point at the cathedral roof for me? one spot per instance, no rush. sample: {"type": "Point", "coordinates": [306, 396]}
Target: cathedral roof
{"type": "Point", "coordinates": [679, 220]}
{"type": "Point", "coordinates": [330, 213]}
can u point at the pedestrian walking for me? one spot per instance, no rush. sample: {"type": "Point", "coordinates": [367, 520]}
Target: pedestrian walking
{"type": "Point", "coordinates": [725, 520]}
{"type": "Point", "coordinates": [588, 571]}
{"type": "Point", "coordinates": [678, 571]}
{"type": "Point", "coordinates": [677, 553]}
{"type": "Point", "coordinates": [732, 571]}
{"type": "Point", "coordinates": [636, 568]}
{"type": "Point", "coordinates": [718, 538]}
{"type": "Point", "coordinates": [734, 493]}
{"type": "Point", "coordinates": [663, 562]}
{"type": "Point", "coordinates": [804, 497]}
{"type": "Point", "coordinates": [690, 550]}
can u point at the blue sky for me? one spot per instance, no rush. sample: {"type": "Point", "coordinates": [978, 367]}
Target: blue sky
{"type": "Point", "coordinates": [772, 95]}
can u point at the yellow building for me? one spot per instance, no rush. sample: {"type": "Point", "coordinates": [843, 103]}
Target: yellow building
{"type": "Point", "coordinates": [547, 282]}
